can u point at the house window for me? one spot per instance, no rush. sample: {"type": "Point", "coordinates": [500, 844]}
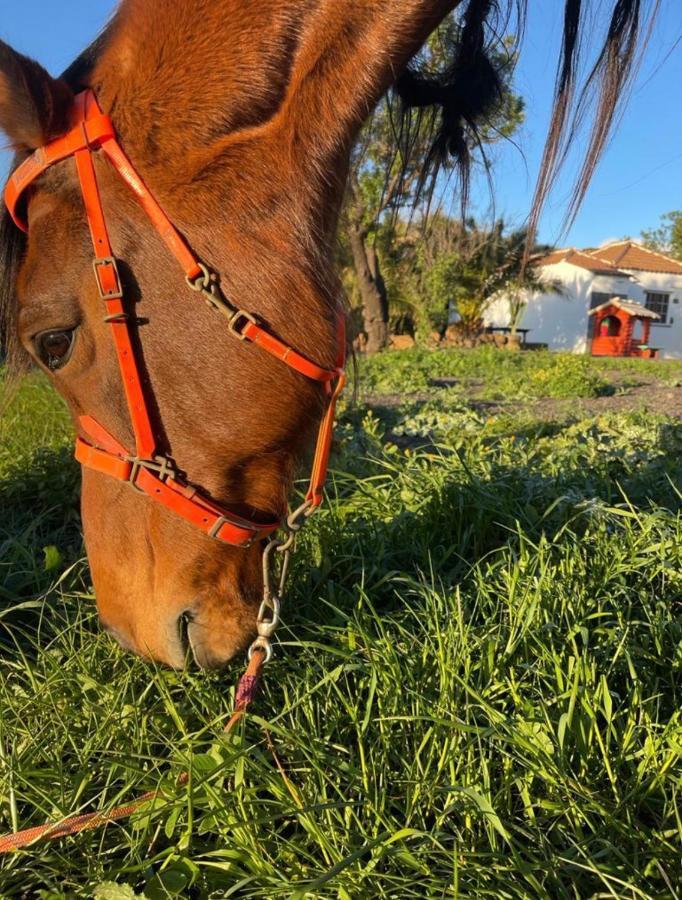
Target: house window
{"type": "Point", "coordinates": [658, 303]}
{"type": "Point", "coordinates": [598, 298]}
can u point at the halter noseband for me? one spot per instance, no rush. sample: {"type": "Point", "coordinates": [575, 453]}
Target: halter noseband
{"type": "Point", "coordinates": [146, 470]}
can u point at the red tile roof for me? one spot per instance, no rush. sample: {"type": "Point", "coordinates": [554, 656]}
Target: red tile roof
{"type": "Point", "coordinates": [582, 259]}
{"type": "Point", "coordinates": [630, 255]}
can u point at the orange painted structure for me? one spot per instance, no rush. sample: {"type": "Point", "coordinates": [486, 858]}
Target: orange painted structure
{"type": "Point", "coordinates": [622, 328]}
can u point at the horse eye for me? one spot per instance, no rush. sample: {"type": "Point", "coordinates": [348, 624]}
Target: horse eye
{"type": "Point", "coordinates": [54, 347]}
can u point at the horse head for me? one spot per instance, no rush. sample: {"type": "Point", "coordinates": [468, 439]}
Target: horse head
{"type": "Point", "coordinates": [239, 119]}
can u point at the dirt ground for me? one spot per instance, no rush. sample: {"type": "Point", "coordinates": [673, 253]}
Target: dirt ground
{"type": "Point", "coordinates": [647, 395]}
{"type": "Point", "coordinates": [654, 398]}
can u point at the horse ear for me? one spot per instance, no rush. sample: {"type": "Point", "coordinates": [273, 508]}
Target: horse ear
{"type": "Point", "coordinates": [34, 107]}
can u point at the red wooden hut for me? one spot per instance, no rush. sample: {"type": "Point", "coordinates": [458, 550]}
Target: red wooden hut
{"type": "Point", "coordinates": [621, 328]}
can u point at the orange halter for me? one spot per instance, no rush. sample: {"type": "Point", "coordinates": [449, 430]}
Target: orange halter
{"type": "Point", "coordinates": [146, 470]}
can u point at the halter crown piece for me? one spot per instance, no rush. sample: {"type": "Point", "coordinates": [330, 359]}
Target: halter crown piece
{"type": "Point", "coordinates": [145, 469]}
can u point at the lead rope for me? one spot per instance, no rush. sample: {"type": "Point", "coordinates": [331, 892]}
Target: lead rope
{"type": "Point", "coordinates": [259, 653]}
{"type": "Point", "coordinates": [268, 618]}
{"type": "Point", "coordinates": [247, 689]}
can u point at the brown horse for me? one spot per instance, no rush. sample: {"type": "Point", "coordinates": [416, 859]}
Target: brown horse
{"type": "Point", "coordinates": [240, 116]}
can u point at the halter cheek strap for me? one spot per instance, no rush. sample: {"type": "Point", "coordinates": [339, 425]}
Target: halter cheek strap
{"type": "Point", "coordinates": [145, 469]}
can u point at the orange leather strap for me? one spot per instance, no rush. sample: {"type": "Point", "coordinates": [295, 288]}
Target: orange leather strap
{"type": "Point", "coordinates": [325, 434]}
{"type": "Point", "coordinates": [171, 493]}
{"type": "Point", "coordinates": [272, 345]}
{"type": "Point", "coordinates": [318, 475]}
{"type": "Point", "coordinates": [87, 133]}
{"type": "Point", "coordinates": [111, 292]}
{"type": "Point", "coordinates": [149, 473]}
{"type": "Point", "coordinates": [159, 219]}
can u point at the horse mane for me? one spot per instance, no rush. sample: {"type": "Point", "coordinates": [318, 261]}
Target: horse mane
{"type": "Point", "coordinates": [12, 247]}
{"type": "Point", "coordinates": [463, 96]}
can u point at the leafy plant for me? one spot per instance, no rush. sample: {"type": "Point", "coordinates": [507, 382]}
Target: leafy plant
{"type": "Point", "coordinates": [528, 375]}
{"type": "Point", "coordinates": [667, 236]}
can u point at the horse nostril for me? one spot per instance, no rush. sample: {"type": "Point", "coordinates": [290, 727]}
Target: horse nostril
{"type": "Point", "coordinates": [184, 620]}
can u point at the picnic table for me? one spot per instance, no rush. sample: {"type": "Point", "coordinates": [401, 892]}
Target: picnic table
{"type": "Point", "coordinates": [506, 329]}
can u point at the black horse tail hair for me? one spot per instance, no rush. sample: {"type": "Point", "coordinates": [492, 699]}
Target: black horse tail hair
{"type": "Point", "coordinates": [464, 96]}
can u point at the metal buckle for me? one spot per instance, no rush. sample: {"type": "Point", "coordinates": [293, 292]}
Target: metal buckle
{"type": "Point", "coordinates": [115, 318]}
{"type": "Point", "coordinates": [206, 283]}
{"type": "Point", "coordinates": [161, 466]}
{"type": "Point", "coordinates": [215, 531]}
{"type": "Point", "coordinates": [217, 525]}
{"type": "Point", "coordinates": [107, 261]}
{"type": "Point", "coordinates": [240, 316]}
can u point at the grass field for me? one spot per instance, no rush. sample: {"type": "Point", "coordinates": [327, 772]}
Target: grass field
{"type": "Point", "coordinates": [478, 689]}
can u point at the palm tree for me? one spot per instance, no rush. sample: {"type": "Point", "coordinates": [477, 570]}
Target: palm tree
{"type": "Point", "coordinates": [518, 291]}
{"type": "Point", "coordinates": [511, 274]}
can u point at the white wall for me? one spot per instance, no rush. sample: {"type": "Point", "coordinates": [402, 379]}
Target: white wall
{"type": "Point", "coordinates": [668, 337]}
{"type": "Point", "coordinates": [561, 321]}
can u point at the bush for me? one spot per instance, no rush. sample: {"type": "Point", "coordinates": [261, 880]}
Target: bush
{"type": "Point", "coordinates": [530, 375]}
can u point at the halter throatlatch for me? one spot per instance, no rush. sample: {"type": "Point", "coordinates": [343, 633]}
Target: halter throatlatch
{"type": "Point", "coordinates": [145, 469]}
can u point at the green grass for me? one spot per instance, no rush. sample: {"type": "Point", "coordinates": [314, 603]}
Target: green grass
{"type": "Point", "coordinates": [477, 692]}
{"type": "Point", "coordinates": [520, 375]}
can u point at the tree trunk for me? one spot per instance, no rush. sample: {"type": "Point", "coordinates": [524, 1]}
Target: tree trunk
{"type": "Point", "coordinates": [372, 290]}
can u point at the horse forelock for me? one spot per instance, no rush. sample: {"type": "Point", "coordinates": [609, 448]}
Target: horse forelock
{"type": "Point", "coordinates": [12, 247]}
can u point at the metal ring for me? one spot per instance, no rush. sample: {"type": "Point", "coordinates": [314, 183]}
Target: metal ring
{"type": "Point", "coordinates": [200, 285]}
{"type": "Point", "coordinates": [261, 643]}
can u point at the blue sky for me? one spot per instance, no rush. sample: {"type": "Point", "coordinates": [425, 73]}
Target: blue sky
{"type": "Point", "coordinates": [638, 179]}
{"type": "Point", "coordinates": [640, 175]}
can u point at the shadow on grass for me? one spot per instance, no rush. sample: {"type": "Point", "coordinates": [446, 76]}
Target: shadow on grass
{"type": "Point", "coordinates": [452, 522]}
{"type": "Point", "coordinates": [40, 537]}
{"type": "Point", "coordinates": [445, 524]}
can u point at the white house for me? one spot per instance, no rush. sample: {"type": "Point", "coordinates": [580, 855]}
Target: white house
{"type": "Point", "coordinates": [590, 278]}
